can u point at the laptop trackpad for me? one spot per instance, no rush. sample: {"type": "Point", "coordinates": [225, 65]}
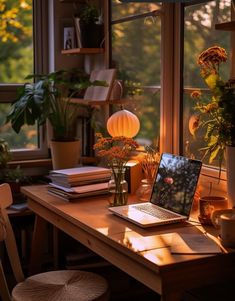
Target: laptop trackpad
{"type": "Point", "coordinates": [135, 216]}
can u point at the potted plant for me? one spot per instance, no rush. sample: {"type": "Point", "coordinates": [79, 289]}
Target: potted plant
{"type": "Point", "coordinates": [15, 177]}
{"type": "Point", "coordinates": [91, 25]}
{"type": "Point", "coordinates": [5, 155]}
{"type": "Point", "coordinates": [217, 115]}
{"type": "Point", "coordinates": [50, 98]}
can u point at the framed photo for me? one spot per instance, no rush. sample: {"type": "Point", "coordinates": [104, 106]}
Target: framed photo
{"type": "Point", "coordinates": [69, 38]}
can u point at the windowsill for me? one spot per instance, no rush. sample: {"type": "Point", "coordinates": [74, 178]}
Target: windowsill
{"type": "Point", "coordinates": [210, 184]}
{"type": "Point", "coordinates": [213, 173]}
{"type": "Point", "coordinates": [32, 163]}
{"type": "Point", "coordinates": [46, 162]}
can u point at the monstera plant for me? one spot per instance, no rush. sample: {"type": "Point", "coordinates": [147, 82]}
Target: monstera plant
{"type": "Point", "coordinates": [51, 98]}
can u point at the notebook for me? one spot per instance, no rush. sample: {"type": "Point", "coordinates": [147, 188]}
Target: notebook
{"type": "Point", "coordinates": [172, 194]}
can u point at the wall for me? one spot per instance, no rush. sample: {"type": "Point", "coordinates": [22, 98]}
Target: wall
{"type": "Point", "coordinates": [61, 15]}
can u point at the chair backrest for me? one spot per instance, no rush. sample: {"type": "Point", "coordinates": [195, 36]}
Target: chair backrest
{"type": "Point", "coordinates": [101, 93]}
{"type": "Point", "coordinates": [10, 242]}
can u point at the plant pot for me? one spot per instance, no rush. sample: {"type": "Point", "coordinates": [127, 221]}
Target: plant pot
{"type": "Point", "coordinates": [230, 165]}
{"type": "Point", "coordinates": [92, 35]}
{"type": "Point", "coordinates": [65, 154]}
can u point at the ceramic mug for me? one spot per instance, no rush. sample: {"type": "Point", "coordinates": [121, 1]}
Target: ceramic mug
{"type": "Point", "coordinates": [208, 204]}
{"type": "Point", "coordinates": [225, 221]}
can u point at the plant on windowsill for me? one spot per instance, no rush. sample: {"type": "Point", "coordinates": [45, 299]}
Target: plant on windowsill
{"type": "Point", "coordinates": [50, 98]}
{"type": "Point", "coordinates": [15, 177]}
{"type": "Point", "coordinates": [91, 25]}
{"type": "Point", "coordinates": [217, 115]}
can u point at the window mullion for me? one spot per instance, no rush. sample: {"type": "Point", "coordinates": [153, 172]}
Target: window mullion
{"type": "Point", "coordinates": [167, 83]}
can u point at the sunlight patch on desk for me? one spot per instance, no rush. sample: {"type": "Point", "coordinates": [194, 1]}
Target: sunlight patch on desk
{"type": "Point", "coordinates": [113, 230]}
{"type": "Point", "coordinates": [139, 243]}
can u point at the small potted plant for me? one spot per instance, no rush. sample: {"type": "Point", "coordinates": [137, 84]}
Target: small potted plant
{"type": "Point", "coordinates": [91, 25]}
{"type": "Point", "coordinates": [51, 98]}
{"type": "Point", "coordinates": [15, 177]}
{"type": "Point", "coordinates": [5, 155]}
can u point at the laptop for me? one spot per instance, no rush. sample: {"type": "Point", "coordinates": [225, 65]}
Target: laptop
{"type": "Point", "coordinates": [172, 194]}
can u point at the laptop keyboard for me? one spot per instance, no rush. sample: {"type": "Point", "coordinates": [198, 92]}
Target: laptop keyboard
{"type": "Point", "coordinates": [156, 212]}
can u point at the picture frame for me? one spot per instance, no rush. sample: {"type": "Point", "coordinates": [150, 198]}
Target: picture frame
{"type": "Point", "coordinates": [69, 38]}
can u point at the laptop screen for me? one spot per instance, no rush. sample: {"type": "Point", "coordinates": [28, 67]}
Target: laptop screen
{"type": "Point", "coordinates": [175, 183]}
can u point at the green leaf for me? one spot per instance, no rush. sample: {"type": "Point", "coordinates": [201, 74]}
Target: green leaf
{"type": "Point", "coordinates": [211, 80]}
{"type": "Point", "coordinates": [213, 141]}
{"type": "Point", "coordinates": [214, 154]}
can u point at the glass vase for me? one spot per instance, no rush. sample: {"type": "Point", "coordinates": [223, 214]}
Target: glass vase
{"type": "Point", "coordinates": [118, 188]}
{"type": "Point", "coordinates": [143, 193]}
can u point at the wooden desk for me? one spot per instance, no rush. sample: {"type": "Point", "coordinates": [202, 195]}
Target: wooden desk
{"type": "Point", "coordinates": [139, 252]}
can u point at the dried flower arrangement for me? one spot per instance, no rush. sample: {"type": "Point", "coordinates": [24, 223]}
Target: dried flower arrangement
{"type": "Point", "coordinates": [150, 162]}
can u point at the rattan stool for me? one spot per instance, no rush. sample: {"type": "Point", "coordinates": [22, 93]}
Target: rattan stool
{"type": "Point", "coordinates": [62, 286]}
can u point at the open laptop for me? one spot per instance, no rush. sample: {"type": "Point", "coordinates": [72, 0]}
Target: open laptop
{"type": "Point", "coordinates": [172, 194]}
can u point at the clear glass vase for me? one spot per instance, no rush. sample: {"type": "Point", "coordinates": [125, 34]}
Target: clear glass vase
{"type": "Point", "coordinates": [118, 188]}
{"type": "Point", "coordinates": [143, 193]}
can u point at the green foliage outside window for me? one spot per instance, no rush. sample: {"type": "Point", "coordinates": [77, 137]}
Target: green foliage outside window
{"type": "Point", "coordinates": [16, 46]}
{"type": "Point", "coordinates": [136, 54]}
{"type": "Point", "coordinates": [16, 62]}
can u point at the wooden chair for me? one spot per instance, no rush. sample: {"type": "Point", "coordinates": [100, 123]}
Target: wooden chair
{"type": "Point", "coordinates": [69, 285]}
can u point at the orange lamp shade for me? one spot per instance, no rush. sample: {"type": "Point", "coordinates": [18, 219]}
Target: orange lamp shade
{"type": "Point", "coordinates": [123, 123]}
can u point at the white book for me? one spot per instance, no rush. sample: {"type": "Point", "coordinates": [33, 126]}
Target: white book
{"type": "Point", "coordinates": [78, 32]}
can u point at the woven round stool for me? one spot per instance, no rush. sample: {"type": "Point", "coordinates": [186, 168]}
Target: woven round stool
{"type": "Point", "coordinates": [66, 285]}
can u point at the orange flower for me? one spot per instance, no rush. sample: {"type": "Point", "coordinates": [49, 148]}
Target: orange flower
{"type": "Point", "coordinates": [210, 107]}
{"type": "Point", "coordinates": [193, 124]}
{"type": "Point", "coordinates": [117, 150]}
{"type": "Point", "coordinates": [196, 94]}
{"type": "Point", "coordinates": [212, 56]}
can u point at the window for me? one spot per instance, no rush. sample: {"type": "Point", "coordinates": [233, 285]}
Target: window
{"type": "Point", "coordinates": [21, 53]}
{"type": "Point", "coordinates": [136, 53]}
{"type": "Point", "coordinates": [200, 34]}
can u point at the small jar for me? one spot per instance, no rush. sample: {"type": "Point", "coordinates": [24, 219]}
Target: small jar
{"type": "Point", "coordinates": [144, 191]}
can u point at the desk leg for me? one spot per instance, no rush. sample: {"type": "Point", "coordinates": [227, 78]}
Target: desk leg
{"type": "Point", "coordinates": [55, 248]}
{"type": "Point", "coordinates": [38, 241]}
{"type": "Point", "coordinates": [171, 296]}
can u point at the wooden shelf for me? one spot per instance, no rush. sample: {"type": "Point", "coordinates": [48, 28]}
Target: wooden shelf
{"type": "Point", "coordinates": [99, 102]}
{"type": "Point", "coordinates": [83, 51]}
{"type": "Point", "coordinates": [228, 26]}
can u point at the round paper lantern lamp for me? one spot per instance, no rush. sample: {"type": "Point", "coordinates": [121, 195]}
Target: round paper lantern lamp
{"type": "Point", "coordinates": [123, 123]}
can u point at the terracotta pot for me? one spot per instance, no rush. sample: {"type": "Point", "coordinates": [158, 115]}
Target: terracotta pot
{"type": "Point", "coordinates": [65, 154]}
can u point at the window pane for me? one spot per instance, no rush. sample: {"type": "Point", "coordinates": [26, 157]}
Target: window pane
{"type": "Point", "coordinates": [16, 46]}
{"type": "Point", "coordinates": [136, 44]}
{"type": "Point", "coordinates": [16, 62]}
{"type": "Point", "coordinates": [26, 139]}
{"type": "Point", "coordinates": [199, 35]}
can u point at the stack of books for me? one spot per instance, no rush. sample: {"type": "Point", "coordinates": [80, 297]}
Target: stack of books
{"type": "Point", "coordinates": [74, 183]}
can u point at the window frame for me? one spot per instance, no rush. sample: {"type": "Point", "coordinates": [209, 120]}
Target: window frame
{"type": "Point", "coordinates": [171, 100]}
{"type": "Point", "coordinates": [8, 92]}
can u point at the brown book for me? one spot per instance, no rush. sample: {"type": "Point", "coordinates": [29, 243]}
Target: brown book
{"type": "Point", "coordinates": [133, 175]}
